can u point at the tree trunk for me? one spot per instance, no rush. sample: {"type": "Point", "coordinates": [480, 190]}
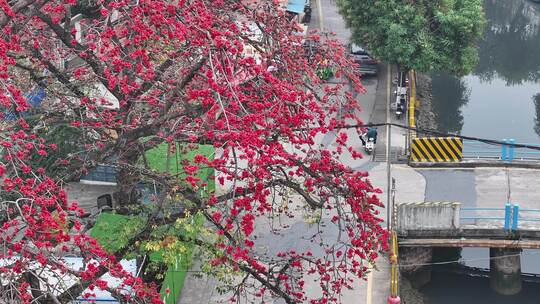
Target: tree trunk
{"type": "Point", "coordinates": [127, 180]}
{"type": "Point", "coordinates": [35, 288]}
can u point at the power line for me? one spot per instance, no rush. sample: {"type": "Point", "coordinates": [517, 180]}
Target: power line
{"type": "Point", "coordinates": [536, 252]}
{"type": "Point", "coordinates": [442, 134]}
{"type": "Point", "coordinates": [469, 260]}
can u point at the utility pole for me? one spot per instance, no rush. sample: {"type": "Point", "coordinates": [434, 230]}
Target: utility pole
{"type": "Point", "coordinates": [393, 220]}
{"type": "Point", "coordinates": [321, 21]}
{"type": "Point", "coordinates": [388, 142]}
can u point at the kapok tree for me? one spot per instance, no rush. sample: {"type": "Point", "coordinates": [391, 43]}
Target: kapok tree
{"type": "Point", "coordinates": [132, 75]}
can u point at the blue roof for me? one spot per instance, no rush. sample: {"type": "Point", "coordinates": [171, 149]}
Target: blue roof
{"type": "Point", "coordinates": [9, 115]}
{"type": "Point", "coordinates": [36, 97]}
{"type": "Point", "coordinates": [296, 6]}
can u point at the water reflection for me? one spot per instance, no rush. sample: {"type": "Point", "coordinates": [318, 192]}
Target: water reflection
{"type": "Point", "coordinates": [452, 288]}
{"type": "Point", "coordinates": [449, 95]}
{"type": "Point", "coordinates": [504, 82]}
{"type": "Point", "coordinates": [511, 42]}
{"type": "Point", "coordinates": [447, 288]}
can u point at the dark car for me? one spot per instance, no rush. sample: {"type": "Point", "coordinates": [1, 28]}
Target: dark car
{"type": "Point", "coordinates": [307, 12]}
{"type": "Point", "coordinates": [368, 65]}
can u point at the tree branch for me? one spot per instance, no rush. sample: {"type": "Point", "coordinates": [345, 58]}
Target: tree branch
{"type": "Point", "coordinates": [185, 81]}
{"type": "Point", "coordinates": [17, 7]}
{"type": "Point", "coordinates": [94, 63]}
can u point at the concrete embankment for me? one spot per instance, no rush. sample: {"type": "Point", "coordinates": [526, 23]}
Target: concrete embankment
{"type": "Point", "coordinates": [426, 117]}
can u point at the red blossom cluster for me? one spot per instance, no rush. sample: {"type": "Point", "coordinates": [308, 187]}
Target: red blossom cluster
{"type": "Point", "coordinates": [131, 75]}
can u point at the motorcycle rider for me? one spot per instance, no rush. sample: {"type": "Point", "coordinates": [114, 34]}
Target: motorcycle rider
{"type": "Point", "coordinates": [370, 133]}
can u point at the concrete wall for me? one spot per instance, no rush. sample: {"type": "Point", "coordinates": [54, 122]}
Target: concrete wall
{"type": "Point", "coordinates": [505, 270]}
{"type": "Point", "coordinates": [413, 259]}
{"type": "Point", "coordinates": [427, 215]}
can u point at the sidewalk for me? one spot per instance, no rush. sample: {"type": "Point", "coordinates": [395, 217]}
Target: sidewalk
{"type": "Point", "coordinates": [379, 115]}
{"type": "Point", "coordinates": [410, 187]}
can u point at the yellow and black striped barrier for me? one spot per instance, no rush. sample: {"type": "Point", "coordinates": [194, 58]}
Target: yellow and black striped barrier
{"type": "Point", "coordinates": [436, 149]}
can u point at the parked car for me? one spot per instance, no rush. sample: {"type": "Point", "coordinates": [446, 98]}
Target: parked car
{"type": "Point", "coordinates": [307, 12]}
{"type": "Point", "coordinates": [368, 65]}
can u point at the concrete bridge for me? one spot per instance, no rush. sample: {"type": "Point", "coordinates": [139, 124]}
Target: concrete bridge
{"type": "Point", "coordinates": [423, 226]}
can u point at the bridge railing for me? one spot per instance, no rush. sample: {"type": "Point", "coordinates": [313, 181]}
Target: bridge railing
{"type": "Point", "coordinates": [496, 214]}
{"type": "Point", "coordinates": [425, 216]}
{"type": "Point", "coordinates": [507, 152]}
{"type": "Point", "coordinates": [528, 219]}
{"type": "Point", "coordinates": [512, 217]}
{"type": "Point", "coordinates": [489, 215]}
{"type": "Point", "coordinates": [524, 217]}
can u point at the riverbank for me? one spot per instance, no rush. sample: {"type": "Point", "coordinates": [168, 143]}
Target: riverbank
{"type": "Point", "coordinates": [426, 118]}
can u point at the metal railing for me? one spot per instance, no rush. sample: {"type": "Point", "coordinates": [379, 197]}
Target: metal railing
{"type": "Point", "coordinates": [508, 152]}
{"type": "Point", "coordinates": [481, 217]}
{"type": "Point", "coordinates": [394, 269]}
{"type": "Point", "coordinates": [504, 215]}
{"type": "Point", "coordinates": [528, 214]}
{"type": "Point", "coordinates": [412, 103]}
{"type": "Point", "coordinates": [511, 216]}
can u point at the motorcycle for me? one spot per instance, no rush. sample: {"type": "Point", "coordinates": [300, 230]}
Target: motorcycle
{"type": "Point", "coordinates": [399, 112]}
{"type": "Point", "coordinates": [370, 145]}
{"type": "Point", "coordinates": [307, 14]}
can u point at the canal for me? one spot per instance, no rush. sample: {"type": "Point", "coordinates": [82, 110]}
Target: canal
{"type": "Point", "coordinates": [450, 288]}
{"type": "Point", "coordinates": [500, 99]}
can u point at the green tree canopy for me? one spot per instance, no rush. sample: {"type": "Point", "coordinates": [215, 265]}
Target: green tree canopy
{"type": "Point", "coordinates": [424, 35]}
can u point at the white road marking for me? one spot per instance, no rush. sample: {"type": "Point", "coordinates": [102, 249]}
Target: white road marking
{"type": "Point", "coordinates": [369, 285]}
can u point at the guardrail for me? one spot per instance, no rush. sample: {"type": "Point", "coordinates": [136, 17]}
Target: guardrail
{"type": "Point", "coordinates": [394, 271]}
{"type": "Point", "coordinates": [527, 217]}
{"type": "Point", "coordinates": [507, 152]}
{"type": "Point", "coordinates": [412, 102]}
{"type": "Point", "coordinates": [394, 268]}
{"type": "Point", "coordinates": [511, 215]}
{"type": "Point", "coordinates": [472, 217]}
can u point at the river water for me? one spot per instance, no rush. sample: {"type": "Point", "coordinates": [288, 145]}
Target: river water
{"type": "Point", "coordinates": [500, 99]}
{"type": "Point", "coordinates": [447, 288]}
